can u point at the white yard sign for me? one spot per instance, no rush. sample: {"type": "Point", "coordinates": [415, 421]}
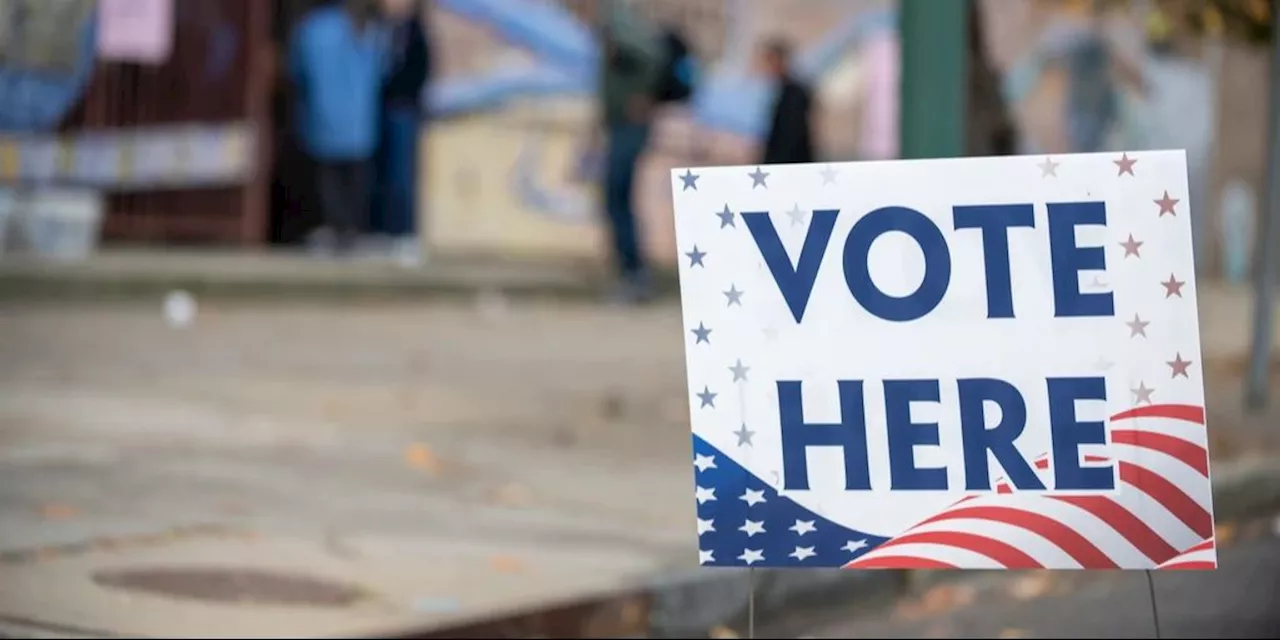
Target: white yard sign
{"type": "Point", "coordinates": [970, 363]}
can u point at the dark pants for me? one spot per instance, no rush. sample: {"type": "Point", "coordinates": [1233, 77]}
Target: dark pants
{"type": "Point", "coordinates": [395, 193]}
{"type": "Point", "coordinates": [342, 188]}
{"type": "Point", "coordinates": [625, 145]}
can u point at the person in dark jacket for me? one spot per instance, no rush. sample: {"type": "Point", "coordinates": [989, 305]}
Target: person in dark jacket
{"type": "Point", "coordinates": [790, 136]}
{"type": "Point", "coordinates": [395, 193]}
{"type": "Point", "coordinates": [629, 75]}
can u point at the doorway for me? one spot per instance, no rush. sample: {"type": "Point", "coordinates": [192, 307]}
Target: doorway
{"type": "Point", "coordinates": [292, 204]}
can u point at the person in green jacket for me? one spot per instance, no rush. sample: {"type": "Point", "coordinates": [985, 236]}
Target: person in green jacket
{"type": "Point", "coordinates": [630, 68]}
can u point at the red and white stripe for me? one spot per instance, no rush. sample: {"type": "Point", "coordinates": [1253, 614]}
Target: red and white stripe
{"type": "Point", "coordinates": [1201, 557]}
{"type": "Point", "coordinates": [1161, 510]}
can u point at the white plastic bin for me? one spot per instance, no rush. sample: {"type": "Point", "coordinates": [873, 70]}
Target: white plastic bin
{"type": "Point", "coordinates": [62, 224]}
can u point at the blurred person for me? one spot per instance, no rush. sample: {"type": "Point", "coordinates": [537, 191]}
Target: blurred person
{"type": "Point", "coordinates": [790, 136]}
{"type": "Point", "coordinates": [630, 73]}
{"type": "Point", "coordinates": [394, 211]}
{"type": "Point", "coordinates": [337, 60]}
{"type": "Point", "coordinates": [990, 128]}
{"type": "Point", "coordinates": [1096, 74]}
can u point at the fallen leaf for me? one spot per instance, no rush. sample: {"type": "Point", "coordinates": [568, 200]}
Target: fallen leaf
{"type": "Point", "coordinates": [1223, 534]}
{"type": "Point", "coordinates": [508, 564]}
{"type": "Point", "coordinates": [939, 630]}
{"type": "Point", "coordinates": [939, 599]}
{"type": "Point", "coordinates": [909, 610]}
{"type": "Point", "coordinates": [612, 406]}
{"type": "Point", "coordinates": [947, 596]}
{"type": "Point", "coordinates": [632, 613]}
{"type": "Point", "coordinates": [721, 632]}
{"type": "Point", "coordinates": [1015, 633]}
{"type": "Point", "coordinates": [512, 495]}
{"type": "Point", "coordinates": [420, 456]}
{"type": "Point", "coordinates": [58, 512]}
{"type": "Point", "coordinates": [1031, 586]}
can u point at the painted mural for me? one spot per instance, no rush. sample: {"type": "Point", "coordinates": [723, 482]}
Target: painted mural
{"type": "Point", "coordinates": [507, 155]}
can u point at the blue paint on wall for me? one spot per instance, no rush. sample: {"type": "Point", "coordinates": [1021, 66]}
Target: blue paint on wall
{"type": "Point", "coordinates": [38, 100]}
{"type": "Point", "coordinates": [728, 101]}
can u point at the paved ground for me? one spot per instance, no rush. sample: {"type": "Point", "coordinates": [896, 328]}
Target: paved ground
{"type": "Point", "coordinates": [449, 460]}
{"type": "Point", "coordinates": [444, 460]}
{"type": "Point", "coordinates": [1236, 601]}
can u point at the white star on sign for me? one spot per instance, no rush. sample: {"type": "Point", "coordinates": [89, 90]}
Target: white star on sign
{"type": "Point", "coordinates": [751, 528]}
{"type": "Point", "coordinates": [797, 216]}
{"type": "Point", "coordinates": [828, 175]}
{"type": "Point", "coordinates": [705, 526]}
{"type": "Point", "coordinates": [1048, 168]}
{"type": "Point", "coordinates": [704, 462]}
{"type": "Point", "coordinates": [706, 557]}
{"type": "Point", "coordinates": [704, 495]}
{"type": "Point", "coordinates": [752, 556]}
{"type": "Point", "coordinates": [802, 552]}
{"type": "Point", "coordinates": [752, 498]}
{"type": "Point", "coordinates": [802, 527]}
{"type": "Point", "coordinates": [852, 546]}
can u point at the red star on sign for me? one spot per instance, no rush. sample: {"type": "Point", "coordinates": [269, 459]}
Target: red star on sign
{"type": "Point", "coordinates": [1131, 247]}
{"type": "Point", "coordinates": [1173, 287]}
{"type": "Point", "coordinates": [1125, 164]}
{"type": "Point", "coordinates": [1142, 393]}
{"type": "Point", "coordinates": [1179, 366]}
{"type": "Point", "coordinates": [1166, 204]}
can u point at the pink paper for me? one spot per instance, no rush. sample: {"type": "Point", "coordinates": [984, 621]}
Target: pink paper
{"type": "Point", "coordinates": [135, 30]}
{"type": "Point", "coordinates": [879, 135]}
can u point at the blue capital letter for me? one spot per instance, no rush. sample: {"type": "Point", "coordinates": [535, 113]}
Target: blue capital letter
{"type": "Point", "coordinates": [795, 283]}
{"type": "Point", "coordinates": [1068, 434]}
{"type": "Point", "coordinates": [937, 263]}
{"type": "Point", "coordinates": [994, 220]}
{"type": "Point", "coordinates": [1069, 259]}
{"type": "Point", "coordinates": [978, 439]}
{"type": "Point", "coordinates": [797, 436]}
{"type": "Point", "coordinates": [904, 435]}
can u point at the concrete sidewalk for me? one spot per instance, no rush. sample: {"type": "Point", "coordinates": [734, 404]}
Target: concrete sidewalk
{"type": "Point", "coordinates": [349, 469]}
{"type": "Point", "coordinates": [290, 275]}
{"type": "Point", "coordinates": [443, 465]}
{"type": "Point", "coordinates": [1236, 601]}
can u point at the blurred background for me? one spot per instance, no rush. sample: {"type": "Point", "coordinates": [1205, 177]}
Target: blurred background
{"type": "Point", "coordinates": [210, 428]}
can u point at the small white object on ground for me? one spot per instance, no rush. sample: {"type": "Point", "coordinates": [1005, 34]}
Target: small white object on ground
{"type": "Point", "coordinates": [491, 304]}
{"type": "Point", "coordinates": [179, 309]}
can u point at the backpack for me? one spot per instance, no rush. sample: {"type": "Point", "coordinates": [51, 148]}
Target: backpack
{"type": "Point", "coordinates": [677, 79]}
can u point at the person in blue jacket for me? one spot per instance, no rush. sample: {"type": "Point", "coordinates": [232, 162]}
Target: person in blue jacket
{"type": "Point", "coordinates": [395, 193]}
{"type": "Point", "coordinates": [337, 62]}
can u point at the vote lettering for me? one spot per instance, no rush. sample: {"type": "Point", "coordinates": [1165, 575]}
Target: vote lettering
{"type": "Point", "coordinates": [996, 223]}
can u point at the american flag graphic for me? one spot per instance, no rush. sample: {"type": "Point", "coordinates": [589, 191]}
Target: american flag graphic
{"type": "Point", "coordinates": [1163, 509]}
{"type": "Point", "coordinates": [741, 338]}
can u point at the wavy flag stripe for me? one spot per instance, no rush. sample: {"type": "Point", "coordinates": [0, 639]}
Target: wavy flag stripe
{"type": "Point", "coordinates": [1152, 519]}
